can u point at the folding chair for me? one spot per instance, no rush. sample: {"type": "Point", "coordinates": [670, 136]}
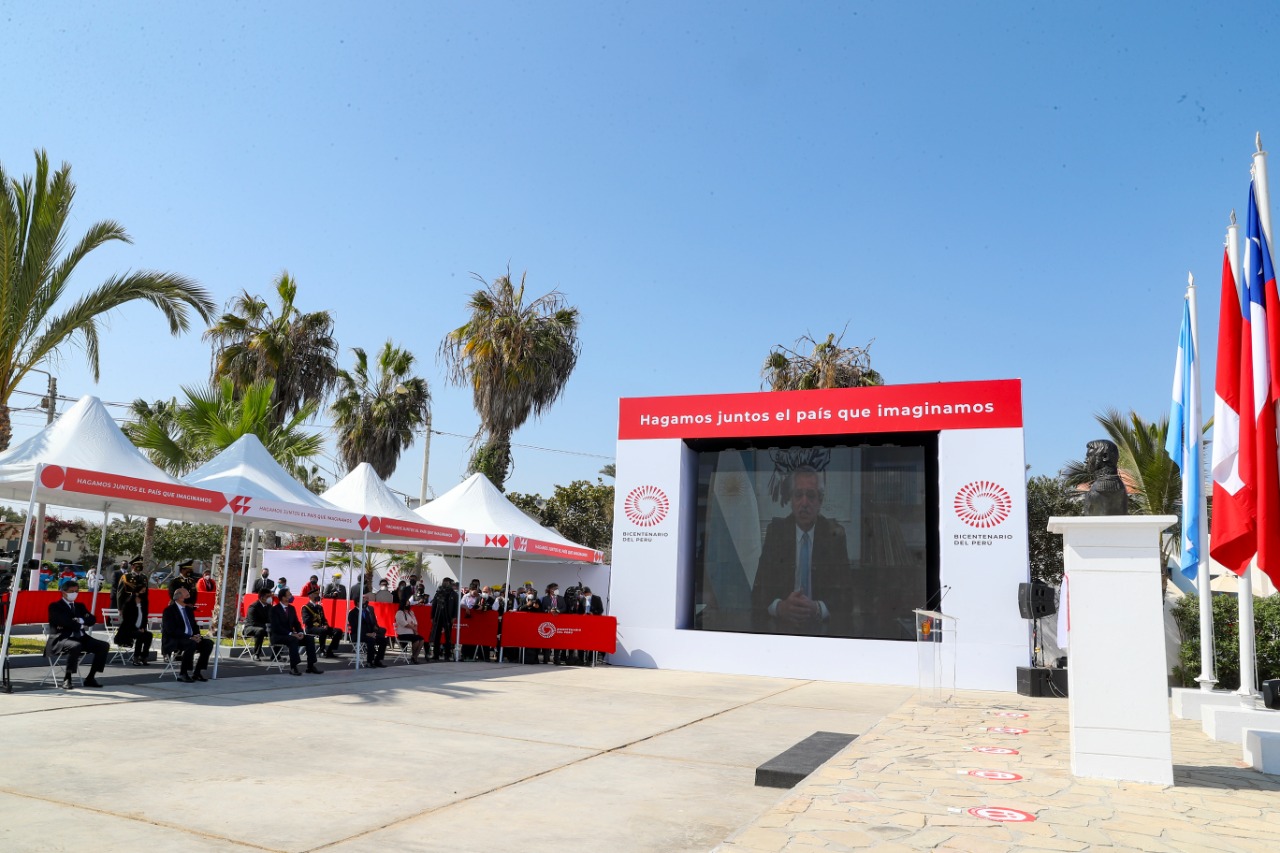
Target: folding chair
{"type": "Point", "coordinates": [400, 650]}
{"type": "Point", "coordinates": [277, 656]}
{"type": "Point", "coordinates": [171, 662]}
{"type": "Point", "coordinates": [358, 654]}
{"type": "Point", "coordinates": [57, 662]}
{"type": "Point", "coordinates": [119, 654]}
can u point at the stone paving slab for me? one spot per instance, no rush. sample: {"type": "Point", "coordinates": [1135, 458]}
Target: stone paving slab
{"type": "Point", "coordinates": [452, 757]}
{"type": "Point", "coordinates": [904, 785]}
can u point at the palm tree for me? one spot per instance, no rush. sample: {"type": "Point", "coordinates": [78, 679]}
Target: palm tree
{"type": "Point", "coordinates": [212, 419]}
{"type": "Point", "coordinates": [377, 415]}
{"type": "Point", "coordinates": [829, 366]}
{"type": "Point", "coordinates": [35, 271]}
{"type": "Point", "coordinates": [517, 358]}
{"type": "Point", "coordinates": [253, 343]}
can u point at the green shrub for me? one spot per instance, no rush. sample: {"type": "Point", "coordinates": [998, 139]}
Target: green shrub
{"type": "Point", "coordinates": [1226, 639]}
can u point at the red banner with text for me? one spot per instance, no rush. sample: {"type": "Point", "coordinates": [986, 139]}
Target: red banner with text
{"type": "Point", "coordinates": [835, 411]}
{"type": "Point", "coordinates": [560, 631]}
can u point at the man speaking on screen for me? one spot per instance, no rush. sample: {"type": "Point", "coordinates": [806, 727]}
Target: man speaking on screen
{"type": "Point", "coordinates": [803, 578]}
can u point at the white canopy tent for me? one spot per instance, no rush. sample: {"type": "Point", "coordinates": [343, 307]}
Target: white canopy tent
{"type": "Point", "coordinates": [83, 460]}
{"type": "Point", "coordinates": [265, 492]}
{"type": "Point", "coordinates": [498, 529]}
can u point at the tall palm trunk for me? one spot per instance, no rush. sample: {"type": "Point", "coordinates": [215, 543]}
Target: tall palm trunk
{"type": "Point", "coordinates": [6, 428]}
{"type": "Point", "coordinates": [148, 544]}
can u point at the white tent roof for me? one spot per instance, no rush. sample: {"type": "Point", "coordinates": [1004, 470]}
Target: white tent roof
{"type": "Point", "coordinates": [86, 440]}
{"type": "Point", "coordinates": [246, 468]}
{"type": "Point", "coordinates": [363, 491]}
{"type": "Point", "coordinates": [476, 506]}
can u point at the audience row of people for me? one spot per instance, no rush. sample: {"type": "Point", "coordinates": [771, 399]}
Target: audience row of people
{"type": "Point", "coordinates": [273, 617]}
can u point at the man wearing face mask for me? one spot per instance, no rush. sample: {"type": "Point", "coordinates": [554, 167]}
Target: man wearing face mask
{"type": "Point", "coordinates": [263, 583]}
{"type": "Point", "coordinates": [286, 631]}
{"type": "Point", "coordinates": [69, 623]}
{"type": "Point", "coordinates": [180, 635]}
{"type": "Point", "coordinates": [383, 594]}
{"type": "Point", "coordinates": [187, 580]}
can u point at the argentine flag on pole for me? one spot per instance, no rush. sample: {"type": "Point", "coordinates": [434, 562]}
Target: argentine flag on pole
{"type": "Point", "coordinates": [1183, 442]}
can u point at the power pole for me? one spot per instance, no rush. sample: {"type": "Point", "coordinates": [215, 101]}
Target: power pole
{"type": "Point", "coordinates": [50, 404]}
{"type": "Point", "coordinates": [426, 459]}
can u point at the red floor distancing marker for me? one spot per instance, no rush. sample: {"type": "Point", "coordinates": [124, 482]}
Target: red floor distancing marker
{"type": "Point", "coordinates": [1001, 814]}
{"type": "Point", "coordinates": [1007, 730]}
{"type": "Point", "coordinates": [995, 750]}
{"type": "Point", "coordinates": [993, 775]}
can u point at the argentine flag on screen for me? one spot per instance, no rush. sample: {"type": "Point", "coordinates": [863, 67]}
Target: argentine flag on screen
{"type": "Point", "coordinates": [1183, 442]}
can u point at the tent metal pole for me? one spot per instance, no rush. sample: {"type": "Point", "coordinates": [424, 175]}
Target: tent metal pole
{"type": "Point", "coordinates": [13, 592]}
{"type": "Point", "coordinates": [506, 591]}
{"type": "Point", "coordinates": [457, 622]}
{"type": "Point", "coordinates": [102, 546]}
{"type": "Point", "coordinates": [360, 616]}
{"type": "Point", "coordinates": [222, 600]}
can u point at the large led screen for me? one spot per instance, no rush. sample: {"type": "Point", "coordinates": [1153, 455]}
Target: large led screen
{"type": "Point", "coordinates": [834, 541]}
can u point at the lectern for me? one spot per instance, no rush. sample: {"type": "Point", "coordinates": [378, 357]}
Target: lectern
{"type": "Point", "coordinates": [936, 654]}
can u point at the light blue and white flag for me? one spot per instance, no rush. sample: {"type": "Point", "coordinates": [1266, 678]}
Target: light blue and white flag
{"type": "Point", "coordinates": [1183, 442]}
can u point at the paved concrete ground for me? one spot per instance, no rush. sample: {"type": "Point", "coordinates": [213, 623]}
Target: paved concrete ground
{"type": "Point", "coordinates": [456, 757]}
{"type": "Point", "coordinates": [904, 786]}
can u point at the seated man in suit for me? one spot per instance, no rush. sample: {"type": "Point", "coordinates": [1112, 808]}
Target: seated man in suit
{"type": "Point", "coordinates": [69, 623]}
{"type": "Point", "coordinates": [362, 619]}
{"type": "Point", "coordinates": [179, 635]}
{"type": "Point", "coordinates": [287, 631]}
{"type": "Point", "coordinates": [263, 582]}
{"type": "Point", "coordinates": [803, 579]}
{"type": "Point", "coordinates": [257, 621]}
{"type": "Point", "coordinates": [317, 625]}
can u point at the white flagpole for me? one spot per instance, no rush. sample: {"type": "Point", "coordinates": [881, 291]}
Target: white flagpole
{"type": "Point", "coordinates": [1244, 596]}
{"type": "Point", "coordinates": [1191, 424]}
{"type": "Point", "coordinates": [19, 567]}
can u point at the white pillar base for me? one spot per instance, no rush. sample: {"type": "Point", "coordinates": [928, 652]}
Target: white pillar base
{"type": "Point", "coordinates": [1119, 694]}
{"type": "Point", "coordinates": [1262, 751]}
{"type": "Point", "coordinates": [1227, 724]}
{"type": "Point", "coordinates": [1188, 702]}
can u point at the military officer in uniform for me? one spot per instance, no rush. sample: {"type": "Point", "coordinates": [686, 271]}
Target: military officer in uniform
{"type": "Point", "coordinates": [185, 578]}
{"type": "Point", "coordinates": [317, 625]}
{"type": "Point", "coordinates": [134, 606]}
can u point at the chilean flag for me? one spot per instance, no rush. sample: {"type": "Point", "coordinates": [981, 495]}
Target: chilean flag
{"type": "Point", "coordinates": [1232, 538]}
{"type": "Point", "coordinates": [1264, 337]}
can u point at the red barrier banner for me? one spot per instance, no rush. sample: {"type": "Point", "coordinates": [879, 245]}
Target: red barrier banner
{"type": "Point", "coordinates": [33, 606]}
{"type": "Point", "coordinates": [560, 631]}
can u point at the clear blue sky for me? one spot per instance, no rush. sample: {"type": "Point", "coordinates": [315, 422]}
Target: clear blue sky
{"type": "Point", "coordinates": [987, 190]}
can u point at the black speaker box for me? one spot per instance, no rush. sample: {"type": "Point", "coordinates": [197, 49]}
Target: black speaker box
{"type": "Point", "coordinates": [1041, 681]}
{"type": "Point", "coordinates": [1271, 693]}
{"type": "Point", "coordinates": [1035, 600]}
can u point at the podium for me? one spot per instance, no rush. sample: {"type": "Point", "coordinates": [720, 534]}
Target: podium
{"type": "Point", "coordinates": [936, 654]}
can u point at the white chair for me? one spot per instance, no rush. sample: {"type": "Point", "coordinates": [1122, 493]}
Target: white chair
{"type": "Point", "coordinates": [400, 650]}
{"type": "Point", "coordinates": [171, 665]}
{"type": "Point", "coordinates": [119, 654]}
{"type": "Point", "coordinates": [277, 656]}
{"type": "Point", "coordinates": [357, 654]}
{"type": "Point", "coordinates": [56, 663]}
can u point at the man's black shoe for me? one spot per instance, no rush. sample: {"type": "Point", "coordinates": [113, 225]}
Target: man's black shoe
{"type": "Point", "coordinates": [92, 682]}
{"type": "Point", "coordinates": [68, 684]}
{"type": "Point", "coordinates": [293, 670]}
{"type": "Point", "coordinates": [184, 678]}
{"type": "Point", "coordinates": [311, 670]}
{"type": "Point", "coordinates": [380, 664]}
{"type": "Point", "coordinates": [199, 677]}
